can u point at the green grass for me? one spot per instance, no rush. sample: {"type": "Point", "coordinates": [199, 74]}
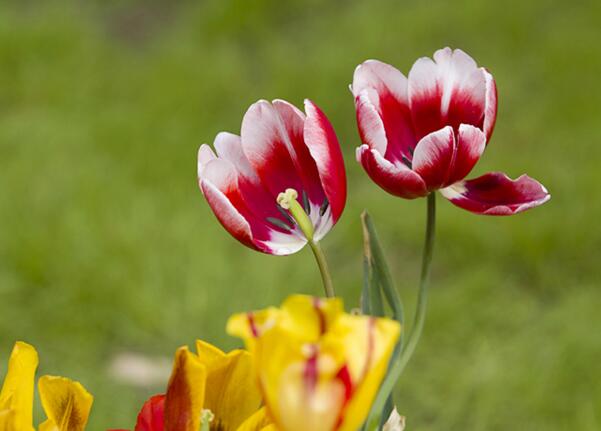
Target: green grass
{"type": "Point", "coordinates": [107, 245]}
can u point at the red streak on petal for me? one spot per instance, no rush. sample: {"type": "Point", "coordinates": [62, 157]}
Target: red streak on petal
{"type": "Point", "coordinates": [310, 375]}
{"type": "Point", "coordinates": [344, 376]}
{"type": "Point", "coordinates": [251, 323]}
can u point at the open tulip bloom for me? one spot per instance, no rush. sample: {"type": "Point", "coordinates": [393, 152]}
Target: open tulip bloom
{"type": "Point", "coordinates": [207, 391]}
{"type": "Point", "coordinates": [426, 132]}
{"type": "Point", "coordinates": [318, 368]}
{"type": "Point", "coordinates": [281, 183]}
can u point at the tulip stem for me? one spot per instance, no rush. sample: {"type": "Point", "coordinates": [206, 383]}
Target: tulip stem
{"type": "Point", "coordinates": [422, 296]}
{"type": "Point", "coordinates": [397, 367]}
{"type": "Point", "coordinates": [322, 263]}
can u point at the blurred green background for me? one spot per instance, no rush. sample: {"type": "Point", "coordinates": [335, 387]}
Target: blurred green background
{"type": "Point", "coordinates": [107, 246]}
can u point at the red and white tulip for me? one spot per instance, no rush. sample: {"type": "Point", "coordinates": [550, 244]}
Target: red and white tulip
{"type": "Point", "coordinates": [426, 132]}
{"type": "Point", "coordinates": [279, 148]}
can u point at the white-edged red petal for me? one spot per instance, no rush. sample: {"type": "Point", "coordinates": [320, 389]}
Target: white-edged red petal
{"type": "Point", "coordinates": [243, 208]}
{"type": "Point", "coordinates": [205, 155]}
{"type": "Point", "coordinates": [490, 109]}
{"type": "Point", "coordinates": [293, 121]}
{"type": "Point", "coordinates": [371, 126]}
{"type": "Point", "coordinates": [229, 147]}
{"type": "Point", "coordinates": [471, 142]}
{"type": "Point", "coordinates": [434, 156]}
{"type": "Point", "coordinates": [396, 179]}
{"type": "Point", "coordinates": [229, 217]}
{"type": "Point", "coordinates": [323, 145]}
{"type": "Point", "coordinates": [266, 144]}
{"type": "Point", "coordinates": [386, 88]}
{"type": "Point", "coordinates": [381, 77]}
{"type": "Point", "coordinates": [497, 194]}
{"type": "Point", "coordinates": [449, 90]}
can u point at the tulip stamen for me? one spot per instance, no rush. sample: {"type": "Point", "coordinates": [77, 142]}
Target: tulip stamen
{"type": "Point", "coordinates": [407, 162]}
{"type": "Point", "coordinates": [288, 201]}
{"type": "Point", "coordinates": [279, 223]}
{"type": "Point", "coordinates": [324, 207]}
{"type": "Point", "coordinates": [306, 204]}
{"type": "Point", "coordinates": [287, 216]}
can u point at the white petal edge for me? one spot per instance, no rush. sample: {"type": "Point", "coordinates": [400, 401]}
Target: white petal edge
{"type": "Point", "coordinates": [370, 123]}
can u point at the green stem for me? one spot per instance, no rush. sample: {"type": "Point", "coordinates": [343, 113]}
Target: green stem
{"type": "Point", "coordinates": [322, 263]}
{"type": "Point", "coordinates": [397, 367]}
{"type": "Point", "coordinates": [422, 296]}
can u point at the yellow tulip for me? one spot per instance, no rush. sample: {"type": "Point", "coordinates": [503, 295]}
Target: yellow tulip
{"type": "Point", "coordinates": [66, 403]}
{"type": "Point", "coordinates": [209, 390]}
{"type": "Point", "coordinates": [318, 368]}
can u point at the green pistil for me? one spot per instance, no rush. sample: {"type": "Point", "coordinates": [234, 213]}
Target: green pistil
{"type": "Point", "coordinates": [288, 201]}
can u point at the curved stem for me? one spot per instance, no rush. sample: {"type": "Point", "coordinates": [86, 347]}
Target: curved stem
{"type": "Point", "coordinates": [422, 296]}
{"type": "Point", "coordinates": [322, 263]}
{"type": "Point", "coordinates": [397, 367]}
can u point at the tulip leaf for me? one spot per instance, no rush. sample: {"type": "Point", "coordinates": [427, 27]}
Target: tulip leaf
{"type": "Point", "coordinates": [371, 296]}
{"type": "Point", "coordinates": [379, 267]}
{"type": "Point", "coordinates": [377, 279]}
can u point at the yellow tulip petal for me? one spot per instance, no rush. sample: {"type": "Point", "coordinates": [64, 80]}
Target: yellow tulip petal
{"type": "Point", "coordinates": [66, 403]}
{"type": "Point", "coordinates": [185, 392]}
{"type": "Point", "coordinates": [17, 392]}
{"type": "Point", "coordinates": [259, 421]}
{"type": "Point", "coordinates": [231, 391]}
{"type": "Point", "coordinates": [49, 425]}
{"type": "Point", "coordinates": [6, 420]}
{"type": "Point", "coordinates": [249, 326]}
{"type": "Point", "coordinates": [309, 317]}
{"type": "Point", "coordinates": [369, 344]}
{"type": "Point", "coordinates": [318, 367]}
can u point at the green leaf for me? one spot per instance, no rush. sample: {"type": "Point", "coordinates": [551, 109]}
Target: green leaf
{"type": "Point", "coordinates": [379, 267]}
{"type": "Point", "coordinates": [377, 278]}
{"type": "Point", "coordinates": [371, 296]}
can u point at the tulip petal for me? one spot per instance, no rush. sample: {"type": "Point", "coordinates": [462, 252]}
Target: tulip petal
{"type": "Point", "coordinates": [152, 415]}
{"type": "Point", "coordinates": [323, 145]}
{"type": "Point", "coordinates": [368, 344]}
{"type": "Point", "coordinates": [471, 142]}
{"type": "Point", "coordinates": [267, 146]}
{"type": "Point", "coordinates": [433, 157]}
{"type": "Point", "coordinates": [381, 77]}
{"type": "Point", "coordinates": [258, 421]}
{"type": "Point", "coordinates": [232, 394]}
{"type": "Point", "coordinates": [497, 194]}
{"type": "Point", "coordinates": [449, 90]}
{"type": "Point", "coordinates": [293, 120]}
{"type": "Point", "coordinates": [396, 179]}
{"type": "Point", "coordinates": [6, 419]}
{"type": "Point", "coordinates": [255, 197]}
{"type": "Point", "coordinates": [223, 188]}
{"type": "Point", "coordinates": [66, 403]}
{"type": "Point", "coordinates": [490, 110]}
{"type": "Point", "coordinates": [371, 126]}
{"type": "Point", "coordinates": [185, 393]}
{"type": "Point", "coordinates": [227, 214]}
{"type": "Point", "coordinates": [16, 397]}
{"type": "Point", "coordinates": [386, 89]}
